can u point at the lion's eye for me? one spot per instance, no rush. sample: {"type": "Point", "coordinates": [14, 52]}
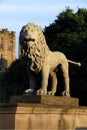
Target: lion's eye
{"type": "Point", "coordinates": [31, 30]}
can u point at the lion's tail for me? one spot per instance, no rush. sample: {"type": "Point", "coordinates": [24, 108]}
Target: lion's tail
{"type": "Point", "coordinates": [73, 62]}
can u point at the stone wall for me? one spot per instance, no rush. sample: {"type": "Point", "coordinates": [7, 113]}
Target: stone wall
{"type": "Point", "coordinates": [42, 117]}
{"type": "Point", "coordinates": [7, 48]}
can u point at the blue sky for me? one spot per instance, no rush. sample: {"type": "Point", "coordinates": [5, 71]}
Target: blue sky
{"type": "Point", "coordinates": [16, 13]}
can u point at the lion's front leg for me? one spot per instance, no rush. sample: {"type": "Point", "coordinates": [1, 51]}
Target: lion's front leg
{"type": "Point", "coordinates": [54, 83]}
{"type": "Point", "coordinates": [32, 83]}
{"type": "Point", "coordinates": [44, 84]}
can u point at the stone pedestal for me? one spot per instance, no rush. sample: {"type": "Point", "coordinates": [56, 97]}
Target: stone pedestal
{"type": "Point", "coordinates": [28, 116]}
{"type": "Point", "coordinates": [42, 113]}
{"type": "Point", "coordinates": [48, 100]}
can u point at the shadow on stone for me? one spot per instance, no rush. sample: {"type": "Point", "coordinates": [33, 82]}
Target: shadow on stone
{"type": "Point", "coordinates": [7, 116]}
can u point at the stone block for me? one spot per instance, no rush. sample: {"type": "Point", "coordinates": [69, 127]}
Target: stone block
{"type": "Point", "coordinates": [48, 100]}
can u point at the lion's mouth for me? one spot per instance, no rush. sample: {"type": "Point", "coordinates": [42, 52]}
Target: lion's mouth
{"type": "Point", "coordinates": [29, 39]}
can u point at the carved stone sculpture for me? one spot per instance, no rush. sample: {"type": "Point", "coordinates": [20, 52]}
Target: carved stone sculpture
{"type": "Point", "coordinates": [41, 58]}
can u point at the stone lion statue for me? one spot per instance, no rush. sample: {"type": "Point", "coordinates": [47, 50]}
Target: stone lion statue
{"type": "Point", "coordinates": [42, 59]}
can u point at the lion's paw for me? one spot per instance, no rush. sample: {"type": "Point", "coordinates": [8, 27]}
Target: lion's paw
{"type": "Point", "coordinates": [66, 94]}
{"type": "Point", "coordinates": [42, 91]}
{"type": "Point", "coordinates": [51, 93]}
{"type": "Point", "coordinates": [29, 92]}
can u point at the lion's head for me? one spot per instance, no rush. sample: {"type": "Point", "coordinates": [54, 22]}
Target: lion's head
{"type": "Point", "coordinates": [34, 45]}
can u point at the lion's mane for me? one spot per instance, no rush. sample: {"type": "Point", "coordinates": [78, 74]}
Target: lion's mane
{"type": "Point", "coordinates": [36, 52]}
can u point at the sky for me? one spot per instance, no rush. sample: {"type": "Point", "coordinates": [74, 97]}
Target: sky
{"type": "Point", "coordinates": [16, 13]}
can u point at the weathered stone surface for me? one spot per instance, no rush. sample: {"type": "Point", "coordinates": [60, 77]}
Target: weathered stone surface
{"type": "Point", "coordinates": [7, 48]}
{"type": "Point", "coordinates": [25, 116]}
{"type": "Point", "coordinates": [50, 100]}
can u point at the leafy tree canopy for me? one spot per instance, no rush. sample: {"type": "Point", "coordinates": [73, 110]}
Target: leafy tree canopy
{"type": "Point", "coordinates": [68, 32]}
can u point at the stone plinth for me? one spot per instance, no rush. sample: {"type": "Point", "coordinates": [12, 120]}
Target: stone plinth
{"type": "Point", "coordinates": [49, 100]}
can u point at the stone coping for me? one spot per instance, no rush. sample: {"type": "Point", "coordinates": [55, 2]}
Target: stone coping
{"type": "Point", "coordinates": [26, 108]}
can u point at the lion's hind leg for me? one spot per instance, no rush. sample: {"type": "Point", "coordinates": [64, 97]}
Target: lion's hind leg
{"type": "Point", "coordinates": [64, 68]}
{"type": "Point", "coordinates": [54, 83]}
